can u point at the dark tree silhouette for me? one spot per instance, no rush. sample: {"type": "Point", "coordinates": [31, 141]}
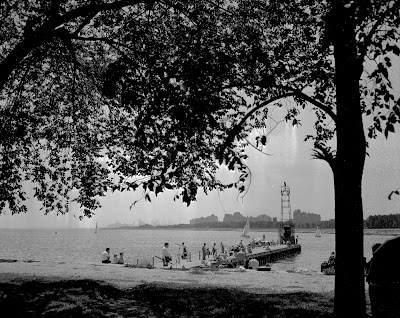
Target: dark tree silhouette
{"type": "Point", "coordinates": [117, 95]}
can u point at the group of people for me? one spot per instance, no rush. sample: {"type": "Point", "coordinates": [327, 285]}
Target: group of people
{"type": "Point", "coordinates": [166, 255]}
{"type": "Point", "coordinates": [206, 252]}
{"type": "Point", "coordinates": [226, 253]}
{"type": "Point", "coordinates": [106, 259]}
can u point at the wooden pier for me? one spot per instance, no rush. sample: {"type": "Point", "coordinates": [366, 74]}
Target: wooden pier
{"type": "Point", "coordinates": [262, 254]}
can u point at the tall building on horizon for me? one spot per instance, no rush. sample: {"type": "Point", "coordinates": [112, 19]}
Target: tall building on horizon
{"type": "Point", "coordinates": [208, 219]}
{"type": "Point", "coordinates": [300, 218]}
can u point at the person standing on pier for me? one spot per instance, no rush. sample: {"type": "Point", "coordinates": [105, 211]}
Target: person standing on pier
{"type": "Point", "coordinates": [166, 255]}
{"type": "Point", "coordinates": [214, 250]}
{"type": "Point", "coordinates": [184, 251]}
{"type": "Point", "coordinates": [204, 250]}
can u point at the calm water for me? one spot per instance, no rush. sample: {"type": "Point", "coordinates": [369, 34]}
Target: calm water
{"type": "Point", "coordinates": [86, 246]}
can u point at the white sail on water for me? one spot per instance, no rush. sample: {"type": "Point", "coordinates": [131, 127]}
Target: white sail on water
{"type": "Point", "coordinates": [246, 229]}
{"type": "Point", "coordinates": [318, 232]}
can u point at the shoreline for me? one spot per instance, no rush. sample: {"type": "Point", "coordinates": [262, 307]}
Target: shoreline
{"type": "Point", "coordinates": [128, 277]}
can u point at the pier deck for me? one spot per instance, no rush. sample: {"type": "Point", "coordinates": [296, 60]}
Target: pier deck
{"type": "Point", "coordinates": [261, 254]}
{"type": "Point", "coordinates": [273, 253]}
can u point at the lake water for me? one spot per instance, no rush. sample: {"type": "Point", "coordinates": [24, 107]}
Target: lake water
{"type": "Point", "coordinates": [86, 246]}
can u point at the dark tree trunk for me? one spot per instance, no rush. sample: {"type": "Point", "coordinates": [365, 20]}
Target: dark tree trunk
{"type": "Point", "coordinates": [348, 168]}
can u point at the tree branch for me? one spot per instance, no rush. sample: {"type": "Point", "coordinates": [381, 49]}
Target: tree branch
{"type": "Point", "coordinates": [48, 30]}
{"type": "Point", "coordinates": [238, 127]}
{"type": "Point", "coordinates": [378, 23]}
{"type": "Point", "coordinates": [292, 92]}
{"type": "Point", "coordinates": [83, 24]}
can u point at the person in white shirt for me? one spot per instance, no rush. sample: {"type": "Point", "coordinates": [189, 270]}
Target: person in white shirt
{"type": "Point", "coordinates": [166, 255]}
{"type": "Point", "coordinates": [105, 256]}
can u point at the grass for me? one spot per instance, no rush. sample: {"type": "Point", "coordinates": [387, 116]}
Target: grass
{"type": "Point", "coordinates": [87, 298]}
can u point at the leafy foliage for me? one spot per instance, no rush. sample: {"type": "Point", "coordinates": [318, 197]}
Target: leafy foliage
{"type": "Point", "coordinates": [101, 96]}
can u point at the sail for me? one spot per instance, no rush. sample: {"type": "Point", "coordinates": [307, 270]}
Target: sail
{"type": "Point", "coordinates": [246, 229]}
{"type": "Point", "coordinates": [95, 231]}
{"type": "Point", "coordinates": [318, 232]}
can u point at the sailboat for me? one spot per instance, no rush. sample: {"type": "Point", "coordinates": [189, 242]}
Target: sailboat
{"type": "Point", "coordinates": [246, 229]}
{"type": "Point", "coordinates": [318, 232]}
{"type": "Point", "coordinates": [95, 231]}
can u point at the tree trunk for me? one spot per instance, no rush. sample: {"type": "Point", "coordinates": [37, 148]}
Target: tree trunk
{"type": "Point", "coordinates": [348, 169]}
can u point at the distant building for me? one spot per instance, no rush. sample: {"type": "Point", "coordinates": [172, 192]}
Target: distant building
{"type": "Point", "coordinates": [260, 218]}
{"type": "Point", "coordinates": [235, 217]}
{"type": "Point", "coordinates": [275, 219]}
{"type": "Point", "coordinates": [303, 218]}
{"type": "Point", "coordinates": [208, 219]}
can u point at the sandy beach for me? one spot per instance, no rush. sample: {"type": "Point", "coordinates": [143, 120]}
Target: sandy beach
{"type": "Point", "coordinates": [127, 277]}
{"type": "Point", "coordinates": [82, 289]}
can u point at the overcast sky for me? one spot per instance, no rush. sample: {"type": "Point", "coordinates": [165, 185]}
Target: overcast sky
{"type": "Point", "coordinates": [311, 184]}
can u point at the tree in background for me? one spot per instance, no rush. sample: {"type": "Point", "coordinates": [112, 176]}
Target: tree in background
{"type": "Point", "coordinates": [101, 95]}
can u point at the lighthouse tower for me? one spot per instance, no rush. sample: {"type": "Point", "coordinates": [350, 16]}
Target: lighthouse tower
{"type": "Point", "coordinates": [286, 211]}
{"type": "Point", "coordinates": [286, 226]}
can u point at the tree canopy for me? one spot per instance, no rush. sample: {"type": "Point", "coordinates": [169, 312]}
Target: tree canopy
{"type": "Point", "coordinates": [106, 95]}
{"type": "Point", "coordinates": [110, 95]}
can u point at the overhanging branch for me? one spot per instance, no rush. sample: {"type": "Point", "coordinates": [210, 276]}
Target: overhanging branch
{"type": "Point", "coordinates": [377, 24]}
{"type": "Point", "coordinates": [48, 30]}
{"type": "Point", "coordinates": [238, 127]}
{"type": "Point", "coordinates": [292, 92]}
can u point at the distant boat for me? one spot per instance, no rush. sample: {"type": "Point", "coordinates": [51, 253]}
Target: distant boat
{"type": "Point", "coordinates": [95, 231]}
{"type": "Point", "coordinates": [246, 229]}
{"type": "Point", "coordinates": [318, 232]}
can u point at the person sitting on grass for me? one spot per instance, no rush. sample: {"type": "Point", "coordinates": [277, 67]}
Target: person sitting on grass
{"type": "Point", "coordinates": [231, 260]}
{"type": "Point", "coordinates": [115, 259]}
{"type": "Point", "coordinates": [121, 258]}
{"type": "Point", "coordinates": [331, 260]}
{"type": "Point", "coordinates": [105, 256]}
{"type": "Point", "coordinates": [166, 256]}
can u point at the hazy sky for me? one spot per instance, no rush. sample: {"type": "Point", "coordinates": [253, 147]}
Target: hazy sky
{"type": "Point", "coordinates": [311, 184]}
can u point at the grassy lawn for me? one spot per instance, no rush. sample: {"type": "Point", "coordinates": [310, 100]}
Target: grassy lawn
{"type": "Point", "coordinates": [87, 298]}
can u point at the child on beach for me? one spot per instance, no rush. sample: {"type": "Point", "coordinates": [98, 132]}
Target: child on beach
{"type": "Point", "coordinates": [115, 259]}
{"type": "Point", "coordinates": [121, 258]}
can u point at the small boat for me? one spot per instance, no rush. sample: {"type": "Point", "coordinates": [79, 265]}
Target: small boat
{"type": "Point", "coordinates": [265, 268]}
{"type": "Point", "coordinates": [95, 231]}
{"type": "Point", "coordinates": [318, 232]}
{"type": "Point", "coordinates": [246, 229]}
